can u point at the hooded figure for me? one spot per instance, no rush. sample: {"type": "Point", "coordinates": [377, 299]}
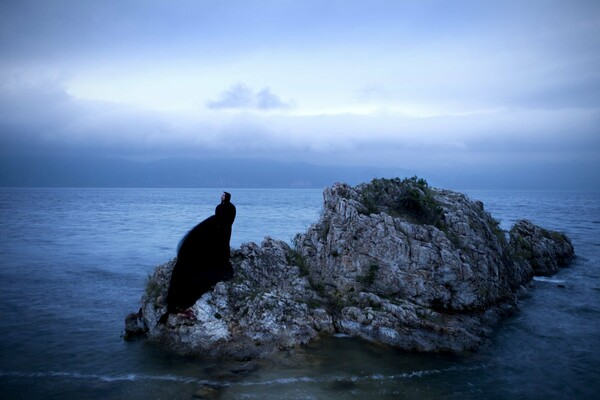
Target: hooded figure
{"type": "Point", "coordinates": [202, 259]}
{"type": "Point", "coordinates": [225, 215]}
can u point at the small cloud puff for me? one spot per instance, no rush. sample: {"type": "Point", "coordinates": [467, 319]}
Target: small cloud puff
{"type": "Point", "coordinates": [240, 96]}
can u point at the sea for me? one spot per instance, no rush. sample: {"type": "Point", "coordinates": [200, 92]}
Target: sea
{"type": "Point", "coordinates": [75, 261]}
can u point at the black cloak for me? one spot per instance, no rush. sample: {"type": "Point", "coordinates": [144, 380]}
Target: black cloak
{"type": "Point", "coordinates": [202, 259]}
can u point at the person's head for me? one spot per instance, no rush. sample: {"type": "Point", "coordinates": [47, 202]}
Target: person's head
{"type": "Point", "coordinates": [225, 197]}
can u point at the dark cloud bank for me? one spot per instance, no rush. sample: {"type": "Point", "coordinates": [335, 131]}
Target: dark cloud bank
{"type": "Point", "coordinates": [74, 171]}
{"type": "Point", "coordinates": [48, 138]}
{"type": "Point", "coordinates": [90, 171]}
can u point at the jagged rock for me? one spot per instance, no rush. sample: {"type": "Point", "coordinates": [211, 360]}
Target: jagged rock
{"type": "Point", "coordinates": [135, 326]}
{"type": "Point", "coordinates": [430, 281]}
{"type": "Point", "coordinates": [266, 307]}
{"type": "Point", "coordinates": [545, 250]}
{"type": "Point", "coordinates": [391, 261]}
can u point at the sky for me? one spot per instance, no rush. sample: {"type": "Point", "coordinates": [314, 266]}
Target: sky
{"type": "Point", "coordinates": [494, 90]}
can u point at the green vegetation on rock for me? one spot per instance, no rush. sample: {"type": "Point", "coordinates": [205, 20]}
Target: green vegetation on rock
{"type": "Point", "coordinates": [371, 274]}
{"type": "Point", "coordinates": [153, 289]}
{"type": "Point", "coordinates": [295, 258]}
{"type": "Point", "coordinates": [410, 198]}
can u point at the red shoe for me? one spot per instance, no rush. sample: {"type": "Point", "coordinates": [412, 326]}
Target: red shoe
{"type": "Point", "coordinates": [189, 314]}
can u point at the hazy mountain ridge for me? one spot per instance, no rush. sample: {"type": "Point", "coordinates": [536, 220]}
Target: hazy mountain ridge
{"type": "Point", "coordinates": [81, 171]}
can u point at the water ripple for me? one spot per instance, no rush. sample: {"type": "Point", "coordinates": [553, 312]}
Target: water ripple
{"type": "Point", "coordinates": [135, 377]}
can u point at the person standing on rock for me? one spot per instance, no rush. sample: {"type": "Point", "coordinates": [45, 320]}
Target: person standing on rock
{"type": "Point", "coordinates": [225, 215]}
{"type": "Point", "coordinates": [202, 260]}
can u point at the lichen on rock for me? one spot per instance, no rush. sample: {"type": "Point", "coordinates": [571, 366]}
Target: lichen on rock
{"type": "Point", "coordinates": [391, 261]}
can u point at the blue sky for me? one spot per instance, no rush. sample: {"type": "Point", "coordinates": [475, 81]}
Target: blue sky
{"type": "Point", "coordinates": [490, 88]}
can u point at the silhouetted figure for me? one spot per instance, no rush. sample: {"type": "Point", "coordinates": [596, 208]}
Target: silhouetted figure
{"type": "Point", "coordinates": [225, 215]}
{"type": "Point", "coordinates": [202, 259]}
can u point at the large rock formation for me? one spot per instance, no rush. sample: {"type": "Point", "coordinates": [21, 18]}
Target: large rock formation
{"type": "Point", "coordinates": [391, 261]}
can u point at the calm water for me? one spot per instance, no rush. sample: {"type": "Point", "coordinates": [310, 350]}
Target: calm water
{"type": "Point", "coordinates": [74, 262]}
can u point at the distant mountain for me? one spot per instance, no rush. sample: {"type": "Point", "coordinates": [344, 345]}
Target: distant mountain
{"type": "Point", "coordinates": [72, 171]}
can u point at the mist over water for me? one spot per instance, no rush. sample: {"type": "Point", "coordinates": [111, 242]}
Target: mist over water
{"type": "Point", "coordinates": [74, 263]}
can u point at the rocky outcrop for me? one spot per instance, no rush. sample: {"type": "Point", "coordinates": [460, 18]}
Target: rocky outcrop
{"type": "Point", "coordinates": [268, 305]}
{"type": "Point", "coordinates": [543, 249]}
{"type": "Point", "coordinates": [391, 261]}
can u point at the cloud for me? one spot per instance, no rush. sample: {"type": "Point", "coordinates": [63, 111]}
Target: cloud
{"type": "Point", "coordinates": [241, 97]}
{"type": "Point", "coordinates": [42, 118]}
{"type": "Point", "coordinates": [237, 96]}
{"type": "Point", "coordinates": [43, 113]}
{"type": "Point", "coordinates": [265, 100]}
{"type": "Point", "coordinates": [470, 84]}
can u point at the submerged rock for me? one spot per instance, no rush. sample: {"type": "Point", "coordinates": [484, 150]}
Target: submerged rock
{"type": "Point", "coordinates": [391, 261]}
